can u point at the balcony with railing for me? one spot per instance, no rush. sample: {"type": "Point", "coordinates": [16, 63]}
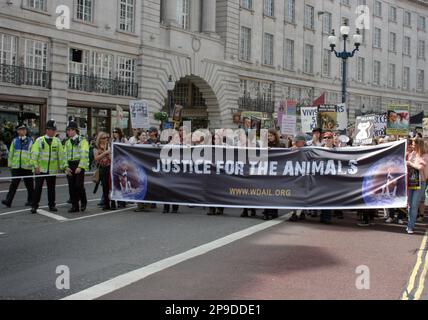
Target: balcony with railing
{"type": "Point", "coordinates": [95, 84]}
{"type": "Point", "coordinates": [24, 76]}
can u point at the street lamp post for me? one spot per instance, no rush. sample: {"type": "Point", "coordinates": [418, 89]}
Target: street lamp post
{"type": "Point", "coordinates": [345, 55]}
{"type": "Point", "coordinates": [170, 86]}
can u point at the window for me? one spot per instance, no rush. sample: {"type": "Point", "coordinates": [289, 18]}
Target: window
{"type": "Point", "coordinates": [309, 59]}
{"type": "Point", "coordinates": [245, 44]}
{"type": "Point", "coordinates": [391, 75]}
{"type": "Point", "coordinates": [345, 2]}
{"type": "Point", "coordinates": [247, 4]}
{"type": "Point", "coordinates": [327, 22]}
{"type": "Point", "coordinates": [421, 80]}
{"type": "Point", "coordinates": [309, 17]}
{"type": "Point", "coordinates": [290, 11]}
{"type": "Point", "coordinates": [268, 49]}
{"type": "Point", "coordinates": [407, 19]}
{"type": "Point", "coordinates": [102, 65]}
{"type": "Point", "coordinates": [84, 10]}
{"type": "Point", "coordinates": [421, 49]}
{"type": "Point", "coordinates": [393, 14]}
{"type": "Point", "coordinates": [127, 15]}
{"type": "Point", "coordinates": [78, 61]}
{"type": "Point", "coordinates": [326, 63]}
{"type": "Point", "coordinates": [376, 72]}
{"type": "Point", "coordinates": [422, 23]}
{"type": "Point", "coordinates": [406, 46]}
{"type": "Point", "coordinates": [406, 78]}
{"type": "Point", "coordinates": [361, 64]}
{"type": "Point", "coordinates": [35, 54]}
{"type": "Point", "coordinates": [8, 49]}
{"type": "Point", "coordinates": [37, 4]}
{"type": "Point", "coordinates": [289, 54]}
{"type": "Point", "coordinates": [392, 42]}
{"type": "Point", "coordinates": [377, 41]}
{"type": "Point", "coordinates": [126, 69]}
{"type": "Point", "coordinates": [378, 8]}
{"type": "Point", "coordinates": [183, 14]}
{"type": "Point", "coordinates": [269, 9]}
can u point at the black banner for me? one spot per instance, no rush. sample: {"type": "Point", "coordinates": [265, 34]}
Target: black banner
{"type": "Point", "coordinates": [308, 178]}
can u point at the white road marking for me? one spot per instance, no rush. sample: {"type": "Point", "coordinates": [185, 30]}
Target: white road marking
{"type": "Point", "coordinates": [129, 278]}
{"type": "Point", "coordinates": [58, 186]}
{"type": "Point", "coordinates": [101, 214]}
{"type": "Point", "coordinates": [2, 233]}
{"type": "Point", "coordinates": [43, 207]}
{"type": "Point", "coordinates": [51, 215]}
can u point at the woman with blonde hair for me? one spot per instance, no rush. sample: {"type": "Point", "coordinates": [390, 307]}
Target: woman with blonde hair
{"type": "Point", "coordinates": [102, 156]}
{"type": "Point", "coordinates": [418, 173]}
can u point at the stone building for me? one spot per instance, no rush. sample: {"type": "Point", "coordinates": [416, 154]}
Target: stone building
{"type": "Point", "coordinates": [224, 55]}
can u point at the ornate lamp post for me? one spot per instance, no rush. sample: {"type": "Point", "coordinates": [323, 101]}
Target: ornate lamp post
{"type": "Point", "coordinates": [170, 86]}
{"type": "Point", "coordinates": [345, 55]}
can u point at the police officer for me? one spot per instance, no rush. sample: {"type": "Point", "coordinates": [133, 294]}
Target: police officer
{"type": "Point", "coordinates": [20, 162]}
{"type": "Point", "coordinates": [76, 164]}
{"type": "Point", "coordinates": [48, 159]}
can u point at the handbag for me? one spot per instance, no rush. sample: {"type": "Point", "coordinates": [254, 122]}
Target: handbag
{"type": "Point", "coordinates": [96, 176]}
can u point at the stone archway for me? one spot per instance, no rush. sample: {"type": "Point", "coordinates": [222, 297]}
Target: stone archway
{"type": "Point", "coordinates": [199, 101]}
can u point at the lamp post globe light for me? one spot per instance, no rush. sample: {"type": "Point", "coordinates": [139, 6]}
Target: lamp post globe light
{"type": "Point", "coordinates": [170, 86]}
{"type": "Point", "coordinates": [345, 55]}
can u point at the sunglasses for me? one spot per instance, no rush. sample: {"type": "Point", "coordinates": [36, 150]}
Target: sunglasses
{"type": "Point", "coordinates": [328, 137]}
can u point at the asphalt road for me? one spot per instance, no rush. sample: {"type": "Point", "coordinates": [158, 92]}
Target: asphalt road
{"type": "Point", "coordinates": [283, 261]}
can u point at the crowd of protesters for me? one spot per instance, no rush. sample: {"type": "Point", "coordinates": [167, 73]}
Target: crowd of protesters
{"type": "Point", "coordinates": [100, 159]}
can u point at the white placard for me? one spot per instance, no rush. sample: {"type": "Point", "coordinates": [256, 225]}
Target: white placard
{"type": "Point", "coordinates": [139, 110]}
{"type": "Point", "coordinates": [288, 125]}
{"type": "Point", "coordinates": [309, 117]}
{"type": "Point", "coordinates": [342, 117]}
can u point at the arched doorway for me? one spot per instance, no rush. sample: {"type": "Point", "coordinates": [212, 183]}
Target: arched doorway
{"type": "Point", "coordinates": [198, 101]}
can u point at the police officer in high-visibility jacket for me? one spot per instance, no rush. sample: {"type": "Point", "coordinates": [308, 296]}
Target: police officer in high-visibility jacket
{"type": "Point", "coordinates": [76, 164]}
{"type": "Point", "coordinates": [20, 162]}
{"type": "Point", "coordinates": [48, 159]}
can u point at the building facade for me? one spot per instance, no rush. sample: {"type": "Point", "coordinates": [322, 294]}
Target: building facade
{"type": "Point", "coordinates": [224, 55]}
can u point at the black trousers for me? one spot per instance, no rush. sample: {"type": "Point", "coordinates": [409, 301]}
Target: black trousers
{"type": "Point", "coordinates": [167, 207]}
{"type": "Point", "coordinates": [76, 186]}
{"type": "Point", "coordinates": [29, 184]}
{"type": "Point", "coordinates": [105, 182]}
{"type": "Point", "coordinates": [51, 182]}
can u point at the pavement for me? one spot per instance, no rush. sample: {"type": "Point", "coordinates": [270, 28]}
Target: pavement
{"type": "Point", "coordinates": [127, 255]}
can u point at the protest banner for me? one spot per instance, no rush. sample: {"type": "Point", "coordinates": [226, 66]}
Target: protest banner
{"type": "Point", "coordinates": [364, 130]}
{"type": "Point", "coordinates": [221, 176]}
{"type": "Point", "coordinates": [309, 116]}
{"type": "Point", "coordinates": [398, 120]}
{"type": "Point", "coordinates": [139, 111]}
{"type": "Point", "coordinates": [342, 117]}
{"type": "Point", "coordinates": [328, 117]}
{"type": "Point", "coordinates": [289, 125]}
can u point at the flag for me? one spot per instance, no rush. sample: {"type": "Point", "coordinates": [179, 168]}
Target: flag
{"type": "Point", "coordinates": [119, 114]}
{"type": "Point", "coordinates": [320, 101]}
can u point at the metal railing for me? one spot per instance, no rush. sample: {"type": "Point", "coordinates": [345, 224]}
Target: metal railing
{"type": "Point", "coordinates": [260, 104]}
{"type": "Point", "coordinates": [25, 76]}
{"type": "Point", "coordinates": [102, 85]}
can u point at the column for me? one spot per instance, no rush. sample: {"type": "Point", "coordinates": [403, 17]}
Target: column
{"type": "Point", "coordinates": [57, 102]}
{"type": "Point", "coordinates": [209, 16]}
{"type": "Point", "coordinates": [170, 12]}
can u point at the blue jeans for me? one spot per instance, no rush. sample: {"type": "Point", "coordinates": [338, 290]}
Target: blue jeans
{"type": "Point", "coordinates": [415, 197]}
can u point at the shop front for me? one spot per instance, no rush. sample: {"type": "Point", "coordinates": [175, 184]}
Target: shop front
{"type": "Point", "coordinates": [94, 119]}
{"type": "Point", "coordinates": [12, 113]}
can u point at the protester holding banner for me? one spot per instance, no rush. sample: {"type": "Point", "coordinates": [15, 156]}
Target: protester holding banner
{"type": "Point", "coordinates": [299, 142]}
{"type": "Point", "coordinates": [118, 136]}
{"type": "Point", "coordinates": [273, 142]}
{"type": "Point", "coordinates": [417, 164]}
{"type": "Point", "coordinates": [135, 139]}
{"type": "Point", "coordinates": [328, 141]}
{"type": "Point", "coordinates": [102, 156]}
{"type": "Point", "coordinates": [316, 138]}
